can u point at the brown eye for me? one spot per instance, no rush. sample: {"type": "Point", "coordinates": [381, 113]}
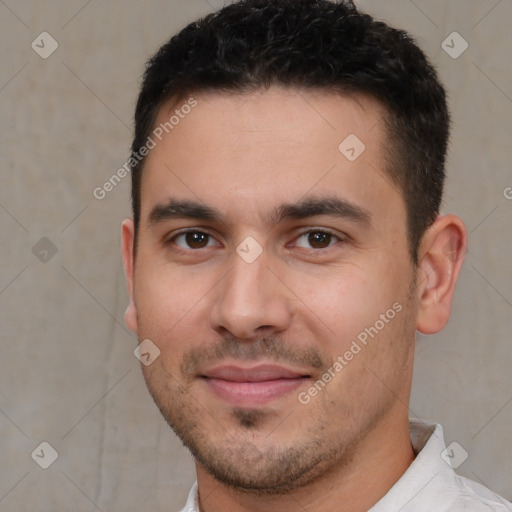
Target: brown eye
{"type": "Point", "coordinates": [196, 240]}
{"type": "Point", "coordinates": [316, 239]}
{"type": "Point", "coordinates": [319, 240]}
{"type": "Point", "coordinates": [193, 240]}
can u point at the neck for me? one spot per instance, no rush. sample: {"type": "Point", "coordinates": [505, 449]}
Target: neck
{"type": "Point", "coordinates": [381, 459]}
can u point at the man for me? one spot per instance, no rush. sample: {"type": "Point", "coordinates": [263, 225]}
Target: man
{"type": "Point", "coordinates": [285, 247]}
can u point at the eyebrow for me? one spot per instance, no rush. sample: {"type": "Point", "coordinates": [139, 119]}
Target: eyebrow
{"type": "Point", "coordinates": [331, 206]}
{"type": "Point", "coordinates": [179, 209]}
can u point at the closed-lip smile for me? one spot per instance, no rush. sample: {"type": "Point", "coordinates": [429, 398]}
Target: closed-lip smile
{"type": "Point", "coordinates": [250, 386]}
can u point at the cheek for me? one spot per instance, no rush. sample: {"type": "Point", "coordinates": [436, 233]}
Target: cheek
{"type": "Point", "coordinates": [167, 301]}
{"type": "Point", "coordinates": [338, 307]}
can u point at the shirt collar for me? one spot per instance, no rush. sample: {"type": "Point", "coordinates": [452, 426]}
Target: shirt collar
{"type": "Point", "coordinates": [428, 475]}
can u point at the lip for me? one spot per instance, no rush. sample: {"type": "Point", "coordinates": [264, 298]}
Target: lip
{"type": "Point", "coordinates": [259, 373]}
{"type": "Point", "coordinates": [243, 386]}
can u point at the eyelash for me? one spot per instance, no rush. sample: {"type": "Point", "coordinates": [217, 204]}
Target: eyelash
{"type": "Point", "coordinates": [171, 240]}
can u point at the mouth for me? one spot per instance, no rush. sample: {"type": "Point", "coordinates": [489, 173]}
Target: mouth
{"type": "Point", "coordinates": [244, 386]}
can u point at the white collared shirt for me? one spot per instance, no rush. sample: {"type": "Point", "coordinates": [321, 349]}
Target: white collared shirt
{"type": "Point", "coordinates": [429, 484]}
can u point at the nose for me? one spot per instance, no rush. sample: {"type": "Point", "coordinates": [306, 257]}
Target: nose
{"type": "Point", "coordinates": [251, 301]}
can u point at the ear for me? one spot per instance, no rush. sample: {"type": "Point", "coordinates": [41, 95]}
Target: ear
{"type": "Point", "coordinates": [441, 256]}
{"type": "Point", "coordinates": [127, 241]}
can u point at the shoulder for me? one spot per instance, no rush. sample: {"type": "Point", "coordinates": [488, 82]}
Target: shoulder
{"type": "Point", "coordinates": [430, 483]}
{"type": "Point", "coordinates": [474, 497]}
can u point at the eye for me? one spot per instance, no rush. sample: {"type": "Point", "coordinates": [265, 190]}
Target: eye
{"type": "Point", "coordinates": [193, 240]}
{"type": "Point", "coordinates": [316, 239]}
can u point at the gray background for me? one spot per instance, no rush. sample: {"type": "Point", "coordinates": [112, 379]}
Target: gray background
{"type": "Point", "coordinates": [67, 371]}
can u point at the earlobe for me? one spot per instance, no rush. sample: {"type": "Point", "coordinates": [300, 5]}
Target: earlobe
{"type": "Point", "coordinates": [130, 317]}
{"type": "Point", "coordinates": [441, 256]}
{"type": "Point", "coordinates": [127, 241]}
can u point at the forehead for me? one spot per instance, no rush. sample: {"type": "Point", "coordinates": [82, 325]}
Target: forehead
{"type": "Point", "coordinates": [255, 150]}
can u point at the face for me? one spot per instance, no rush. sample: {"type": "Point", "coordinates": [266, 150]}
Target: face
{"type": "Point", "coordinates": [273, 274]}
